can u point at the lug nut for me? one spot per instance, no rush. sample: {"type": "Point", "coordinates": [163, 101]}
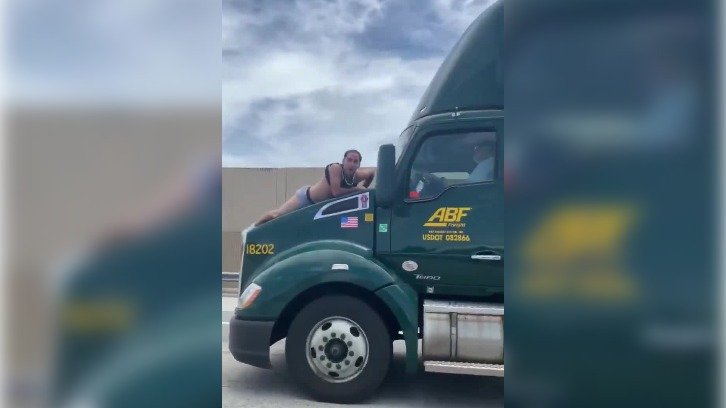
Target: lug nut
{"type": "Point", "coordinates": [325, 339]}
{"type": "Point", "coordinates": [347, 362]}
{"type": "Point", "coordinates": [329, 365]}
{"type": "Point", "coordinates": [337, 366]}
{"type": "Point", "coordinates": [350, 353]}
{"type": "Point", "coordinates": [321, 348]}
{"type": "Point", "coordinates": [322, 358]}
{"type": "Point", "coordinates": [350, 343]}
{"type": "Point", "coordinates": [332, 335]}
{"type": "Point", "coordinates": [342, 336]}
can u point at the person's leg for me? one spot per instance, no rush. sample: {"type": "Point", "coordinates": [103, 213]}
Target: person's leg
{"type": "Point", "coordinates": [292, 204]}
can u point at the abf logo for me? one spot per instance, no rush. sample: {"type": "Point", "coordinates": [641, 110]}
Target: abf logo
{"type": "Point", "coordinates": [445, 215]}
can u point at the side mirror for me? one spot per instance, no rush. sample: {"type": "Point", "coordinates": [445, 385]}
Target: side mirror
{"type": "Point", "coordinates": [384, 175]}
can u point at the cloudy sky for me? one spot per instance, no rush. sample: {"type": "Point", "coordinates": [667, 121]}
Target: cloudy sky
{"type": "Point", "coordinates": [108, 53]}
{"type": "Point", "coordinates": [305, 80]}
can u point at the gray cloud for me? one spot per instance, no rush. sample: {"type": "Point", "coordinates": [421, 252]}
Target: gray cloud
{"type": "Point", "coordinates": [306, 80]}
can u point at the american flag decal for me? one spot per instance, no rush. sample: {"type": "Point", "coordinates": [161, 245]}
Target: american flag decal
{"type": "Point", "coordinates": [348, 222]}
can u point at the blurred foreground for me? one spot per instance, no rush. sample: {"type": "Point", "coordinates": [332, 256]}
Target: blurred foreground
{"type": "Point", "coordinates": [115, 257]}
{"type": "Point", "coordinates": [612, 204]}
{"type": "Point", "coordinates": [613, 201]}
{"type": "Point", "coordinates": [113, 201]}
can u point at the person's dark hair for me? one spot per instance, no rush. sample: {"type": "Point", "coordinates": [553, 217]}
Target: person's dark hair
{"type": "Point", "coordinates": [360, 156]}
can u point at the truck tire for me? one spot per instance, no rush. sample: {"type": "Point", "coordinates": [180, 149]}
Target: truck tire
{"type": "Point", "coordinates": [338, 349]}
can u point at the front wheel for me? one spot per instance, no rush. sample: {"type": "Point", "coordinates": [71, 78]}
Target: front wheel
{"type": "Point", "coordinates": [338, 349]}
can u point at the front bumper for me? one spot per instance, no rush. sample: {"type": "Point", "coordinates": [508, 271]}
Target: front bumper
{"type": "Point", "coordinates": [249, 341]}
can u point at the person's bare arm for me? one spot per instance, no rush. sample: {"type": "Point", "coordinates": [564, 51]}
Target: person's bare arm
{"type": "Point", "coordinates": [335, 188]}
{"type": "Point", "coordinates": [367, 175]}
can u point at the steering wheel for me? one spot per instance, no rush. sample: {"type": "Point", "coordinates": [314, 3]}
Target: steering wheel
{"type": "Point", "coordinates": [432, 184]}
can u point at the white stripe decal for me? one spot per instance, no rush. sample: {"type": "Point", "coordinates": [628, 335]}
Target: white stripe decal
{"type": "Point", "coordinates": [363, 204]}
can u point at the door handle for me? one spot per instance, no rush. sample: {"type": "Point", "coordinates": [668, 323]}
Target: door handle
{"type": "Point", "coordinates": [487, 257]}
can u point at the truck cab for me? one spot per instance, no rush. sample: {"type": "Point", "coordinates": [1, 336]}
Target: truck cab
{"type": "Point", "coordinates": [420, 257]}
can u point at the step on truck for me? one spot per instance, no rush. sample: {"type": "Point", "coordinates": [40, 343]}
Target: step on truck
{"type": "Point", "coordinates": [420, 257]}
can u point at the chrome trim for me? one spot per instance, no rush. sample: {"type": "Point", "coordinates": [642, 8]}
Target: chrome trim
{"type": "Point", "coordinates": [443, 306]}
{"type": "Point", "coordinates": [487, 257]}
{"type": "Point", "coordinates": [449, 367]}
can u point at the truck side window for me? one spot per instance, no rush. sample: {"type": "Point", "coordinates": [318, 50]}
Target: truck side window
{"type": "Point", "coordinates": [452, 159]}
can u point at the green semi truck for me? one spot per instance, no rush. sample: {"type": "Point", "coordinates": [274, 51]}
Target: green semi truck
{"type": "Point", "coordinates": [420, 257]}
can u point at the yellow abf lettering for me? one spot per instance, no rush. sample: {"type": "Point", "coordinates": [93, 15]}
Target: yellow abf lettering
{"type": "Point", "coordinates": [444, 215]}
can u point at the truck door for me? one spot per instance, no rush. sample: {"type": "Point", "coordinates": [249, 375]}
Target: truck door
{"type": "Point", "coordinates": [447, 233]}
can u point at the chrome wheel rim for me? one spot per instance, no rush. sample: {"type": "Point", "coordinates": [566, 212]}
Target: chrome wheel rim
{"type": "Point", "coordinates": [337, 349]}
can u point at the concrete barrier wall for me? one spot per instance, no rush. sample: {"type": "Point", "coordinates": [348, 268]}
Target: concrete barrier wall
{"type": "Point", "coordinates": [247, 194]}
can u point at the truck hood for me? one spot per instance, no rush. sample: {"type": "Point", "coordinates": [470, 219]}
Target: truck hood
{"type": "Point", "coordinates": [347, 220]}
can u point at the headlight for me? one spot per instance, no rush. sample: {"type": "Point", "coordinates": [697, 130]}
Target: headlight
{"type": "Point", "coordinates": [249, 295]}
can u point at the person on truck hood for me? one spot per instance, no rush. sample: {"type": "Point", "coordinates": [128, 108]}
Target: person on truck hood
{"type": "Point", "coordinates": [339, 179]}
